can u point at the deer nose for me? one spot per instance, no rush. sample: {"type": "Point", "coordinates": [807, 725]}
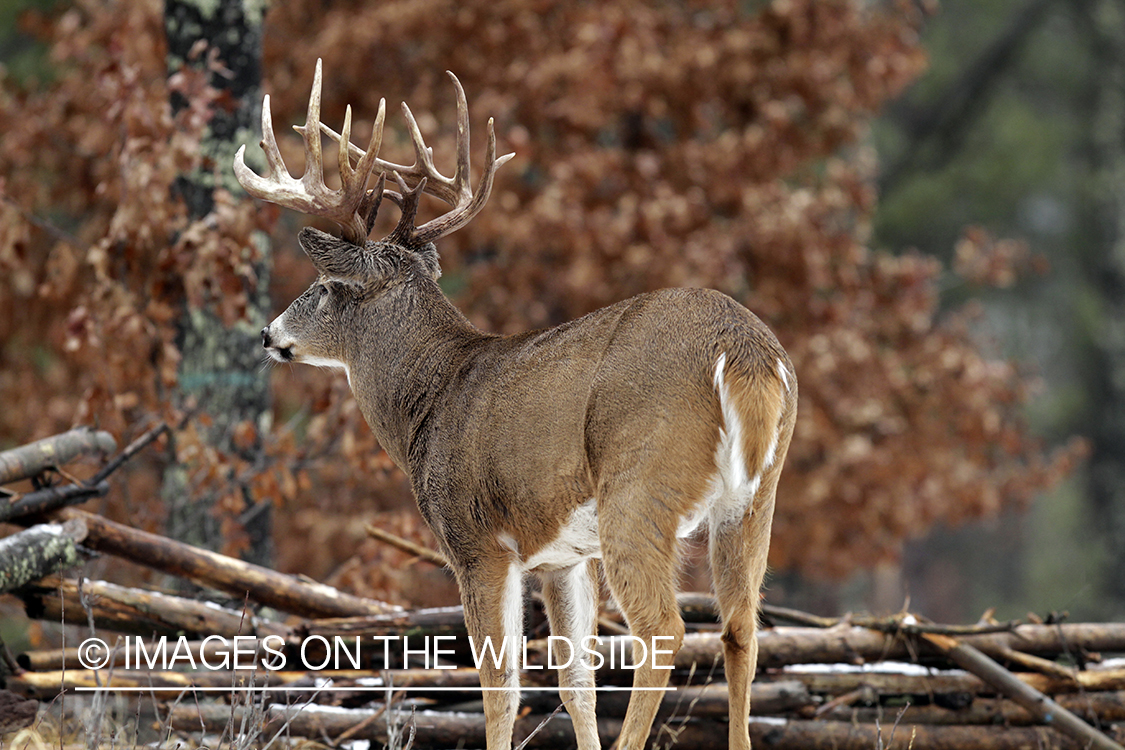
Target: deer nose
{"type": "Point", "coordinates": [266, 337]}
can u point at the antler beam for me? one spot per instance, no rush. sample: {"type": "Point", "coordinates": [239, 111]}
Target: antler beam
{"type": "Point", "coordinates": [352, 206]}
{"type": "Point", "coordinates": [456, 190]}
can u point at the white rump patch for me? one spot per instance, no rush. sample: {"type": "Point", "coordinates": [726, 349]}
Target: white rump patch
{"type": "Point", "coordinates": [728, 456]}
{"type": "Point", "coordinates": [783, 373]}
{"type": "Point", "coordinates": [732, 489]}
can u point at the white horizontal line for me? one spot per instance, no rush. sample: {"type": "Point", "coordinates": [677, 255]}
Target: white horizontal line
{"type": "Point", "coordinates": [352, 688]}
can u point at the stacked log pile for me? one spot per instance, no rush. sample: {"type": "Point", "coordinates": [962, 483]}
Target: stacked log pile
{"type": "Point", "coordinates": [268, 654]}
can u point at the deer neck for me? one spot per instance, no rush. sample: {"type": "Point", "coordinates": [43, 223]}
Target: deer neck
{"type": "Point", "coordinates": [402, 359]}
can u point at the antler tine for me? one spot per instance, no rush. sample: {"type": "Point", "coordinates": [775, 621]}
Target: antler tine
{"type": "Point", "coordinates": [277, 178]}
{"type": "Point", "coordinates": [471, 204]}
{"type": "Point", "coordinates": [313, 179]}
{"type": "Point", "coordinates": [408, 203]}
{"type": "Point", "coordinates": [369, 209]}
{"type": "Point", "coordinates": [455, 190]}
{"type": "Point", "coordinates": [274, 163]}
{"type": "Point", "coordinates": [351, 206]}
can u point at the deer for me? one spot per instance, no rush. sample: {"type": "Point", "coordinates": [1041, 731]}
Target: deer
{"type": "Point", "coordinates": [583, 452]}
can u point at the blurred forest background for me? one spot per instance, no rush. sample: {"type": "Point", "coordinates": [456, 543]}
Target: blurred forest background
{"type": "Point", "coordinates": [926, 203]}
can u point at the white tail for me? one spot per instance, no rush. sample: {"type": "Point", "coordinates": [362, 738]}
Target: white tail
{"type": "Point", "coordinates": [607, 438]}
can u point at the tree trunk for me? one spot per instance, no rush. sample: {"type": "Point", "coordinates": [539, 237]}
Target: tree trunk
{"type": "Point", "coordinates": [220, 364]}
{"type": "Point", "coordinates": [1106, 270]}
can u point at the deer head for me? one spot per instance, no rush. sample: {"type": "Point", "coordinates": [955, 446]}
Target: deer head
{"type": "Point", "coordinates": [354, 270]}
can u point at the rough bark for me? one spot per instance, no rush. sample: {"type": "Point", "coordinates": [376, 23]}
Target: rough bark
{"type": "Point", "coordinates": [128, 610]}
{"type": "Point", "coordinates": [1104, 706]}
{"type": "Point", "coordinates": [211, 569]}
{"type": "Point", "coordinates": [39, 551]}
{"type": "Point", "coordinates": [1039, 705]}
{"type": "Point", "coordinates": [220, 363]}
{"type": "Point", "coordinates": [780, 646]}
{"type": "Point", "coordinates": [1105, 268]}
{"type": "Point", "coordinates": [49, 499]}
{"type": "Point", "coordinates": [162, 684]}
{"type": "Point", "coordinates": [29, 460]}
{"type": "Point", "coordinates": [436, 730]}
{"type": "Point", "coordinates": [957, 684]}
{"type": "Point", "coordinates": [204, 652]}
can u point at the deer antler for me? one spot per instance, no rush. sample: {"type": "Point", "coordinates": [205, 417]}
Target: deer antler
{"type": "Point", "coordinates": [455, 190]}
{"type": "Point", "coordinates": [353, 206]}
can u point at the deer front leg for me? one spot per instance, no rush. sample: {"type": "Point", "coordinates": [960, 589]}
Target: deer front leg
{"type": "Point", "coordinates": [492, 597]}
{"type": "Point", "coordinates": [571, 597]}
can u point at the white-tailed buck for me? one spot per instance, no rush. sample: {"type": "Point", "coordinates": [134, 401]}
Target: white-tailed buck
{"type": "Point", "coordinates": [611, 437]}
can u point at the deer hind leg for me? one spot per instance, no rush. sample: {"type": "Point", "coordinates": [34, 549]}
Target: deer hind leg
{"type": "Point", "coordinates": [640, 559]}
{"type": "Point", "coordinates": [492, 596]}
{"type": "Point", "coordinates": [571, 596]}
{"type": "Point", "coordinates": [738, 548]}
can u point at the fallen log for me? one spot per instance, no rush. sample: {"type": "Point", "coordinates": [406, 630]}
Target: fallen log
{"type": "Point", "coordinates": [781, 646]}
{"type": "Point", "coordinates": [34, 458]}
{"type": "Point", "coordinates": [137, 611]}
{"type": "Point", "coordinates": [709, 701]}
{"type": "Point", "coordinates": [1100, 707]}
{"type": "Point", "coordinates": [131, 674]}
{"type": "Point", "coordinates": [424, 553]}
{"type": "Point", "coordinates": [128, 651]}
{"type": "Point", "coordinates": [242, 579]}
{"type": "Point", "coordinates": [433, 729]}
{"type": "Point", "coordinates": [713, 701]}
{"type": "Point", "coordinates": [433, 621]}
{"type": "Point", "coordinates": [37, 552]}
{"type": "Point", "coordinates": [162, 683]}
{"type": "Point", "coordinates": [834, 683]}
{"type": "Point", "coordinates": [1042, 707]}
{"type": "Point", "coordinates": [835, 735]}
{"type": "Point", "coordinates": [50, 499]}
{"type": "Point", "coordinates": [446, 730]}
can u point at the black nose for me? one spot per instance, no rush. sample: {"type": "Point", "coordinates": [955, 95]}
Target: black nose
{"type": "Point", "coordinates": [266, 337]}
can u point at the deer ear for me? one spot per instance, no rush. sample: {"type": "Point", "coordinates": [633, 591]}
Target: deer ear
{"type": "Point", "coordinates": [334, 257]}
